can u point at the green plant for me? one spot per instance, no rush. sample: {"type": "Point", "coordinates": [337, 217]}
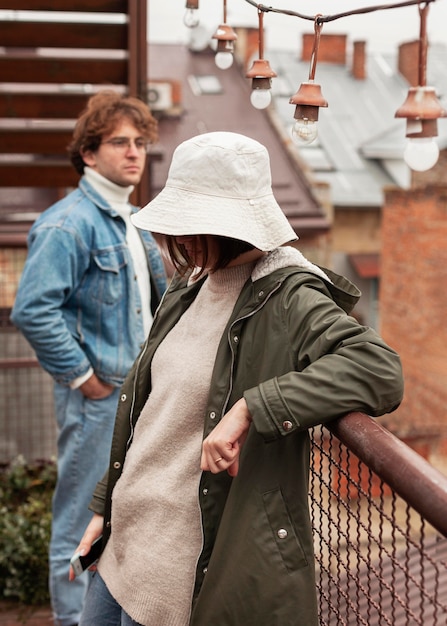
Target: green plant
{"type": "Point", "coordinates": [25, 526]}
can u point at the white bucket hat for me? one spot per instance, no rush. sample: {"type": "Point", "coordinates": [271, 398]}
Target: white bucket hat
{"type": "Point", "coordinates": [219, 184]}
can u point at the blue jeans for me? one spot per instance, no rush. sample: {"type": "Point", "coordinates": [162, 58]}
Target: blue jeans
{"type": "Point", "coordinates": [84, 442]}
{"type": "Point", "coordinates": [101, 609]}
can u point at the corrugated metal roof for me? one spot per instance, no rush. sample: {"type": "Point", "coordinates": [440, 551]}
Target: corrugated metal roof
{"type": "Point", "coordinates": [358, 132]}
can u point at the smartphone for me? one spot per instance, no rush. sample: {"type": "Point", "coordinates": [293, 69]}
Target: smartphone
{"type": "Point", "coordinates": [81, 563]}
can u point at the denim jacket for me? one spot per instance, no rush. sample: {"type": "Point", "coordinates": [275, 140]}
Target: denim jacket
{"type": "Point", "coordinates": [78, 302]}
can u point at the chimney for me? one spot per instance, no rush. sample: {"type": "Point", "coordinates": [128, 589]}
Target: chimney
{"type": "Point", "coordinates": [332, 48]}
{"type": "Point", "coordinates": [408, 62]}
{"type": "Point", "coordinates": [359, 60]}
{"type": "Point", "coordinates": [247, 45]}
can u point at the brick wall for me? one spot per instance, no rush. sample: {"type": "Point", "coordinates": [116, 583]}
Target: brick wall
{"type": "Point", "coordinates": [356, 231]}
{"type": "Point", "coordinates": [413, 304]}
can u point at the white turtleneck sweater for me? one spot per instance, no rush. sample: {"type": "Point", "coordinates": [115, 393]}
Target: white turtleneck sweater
{"type": "Point", "coordinates": [150, 560]}
{"type": "Point", "coordinates": [117, 198]}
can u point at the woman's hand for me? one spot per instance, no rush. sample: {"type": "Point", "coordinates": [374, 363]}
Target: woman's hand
{"type": "Point", "coordinates": [222, 448]}
{"type": "Point", "coordinates": [92, 532]}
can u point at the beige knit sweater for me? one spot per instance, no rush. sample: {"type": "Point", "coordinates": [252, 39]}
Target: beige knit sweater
{"type": "Point", "coordinates": [149, 563]}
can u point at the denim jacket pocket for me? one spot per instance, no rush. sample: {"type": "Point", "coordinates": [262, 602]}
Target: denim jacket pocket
{"type": "Point", "coordinates": [107, 285]}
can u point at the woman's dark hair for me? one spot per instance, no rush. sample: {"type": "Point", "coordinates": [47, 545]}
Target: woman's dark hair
{"type": "Point", "coordinates": [228, 249]}
{"type": "Point", "coordinates": [104, 111]}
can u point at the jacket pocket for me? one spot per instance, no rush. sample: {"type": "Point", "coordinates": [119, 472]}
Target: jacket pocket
{"type": "Point", "coordinates": [107, 284]}
{"type": "Point", "coordinates": [283, 530]}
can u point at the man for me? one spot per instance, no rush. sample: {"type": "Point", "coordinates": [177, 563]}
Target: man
{"type": "Point", "coordinates": [85, 302]}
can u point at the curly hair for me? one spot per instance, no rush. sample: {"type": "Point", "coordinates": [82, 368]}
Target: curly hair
{"type": "Point", "coordinates": [103, 112]}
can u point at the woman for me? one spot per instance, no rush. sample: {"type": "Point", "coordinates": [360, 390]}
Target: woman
{"type": "Point", "coordinates": [208, 521]}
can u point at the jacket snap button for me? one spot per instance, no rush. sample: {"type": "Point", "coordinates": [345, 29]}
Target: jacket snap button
{"type": "Point", "coordinates": [212, 415]}
{"type": "Point", "coordinates": [260, 294]}
{"type": "Point", "coordinates": [205, 569]}
{"type": "Point", "coordinates": [205, 492]}
{"type": "Point", "coordinates": [117, 465]}
{"type": "Point", "coordinates": [235, 339]}
{"type": "Point", "coordinates": [287, 425]}
{"type": "Point", "coordinates": [282, 533]}
{"type": "Point", "coordinates": [123, 397]}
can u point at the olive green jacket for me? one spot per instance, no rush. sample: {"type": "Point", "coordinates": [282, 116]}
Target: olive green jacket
{"type": "Point", "coordinates": [299, 359]}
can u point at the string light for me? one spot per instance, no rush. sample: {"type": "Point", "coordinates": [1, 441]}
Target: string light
{"type": "Point", "coordinates": [261, 73]}
{"type": "Point", "coordinates": [308, 99]}
{"type": "Point", "coordinates": [226, 37]}
{"type": "Point", "coordinates": [191, 18]}
{"type": "Point", "coordinates": [421, 110]}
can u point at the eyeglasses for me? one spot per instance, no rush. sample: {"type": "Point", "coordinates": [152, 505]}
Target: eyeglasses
{"type": "Point", "coordinates": [122, 144]}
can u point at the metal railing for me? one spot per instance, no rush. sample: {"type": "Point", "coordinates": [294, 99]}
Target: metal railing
{"type": "Point", "coordinates": [379, 513]}
{"type": "Point", "coordinates": [379, 510]}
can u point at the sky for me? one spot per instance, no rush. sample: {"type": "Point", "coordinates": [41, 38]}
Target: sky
{"type": "Point", "coordinates": [382, 30]}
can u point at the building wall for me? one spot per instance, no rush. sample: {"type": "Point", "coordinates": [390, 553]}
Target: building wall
{"type": "Point", "coordinates": [356, 230]}
{"type": "Point", "coordinates": [413, 301]}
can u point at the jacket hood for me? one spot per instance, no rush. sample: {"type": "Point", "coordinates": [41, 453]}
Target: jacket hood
{"type": "Point", "coordinates": [342, 290]}
{"type": "Point", "coordinates": [285, 257]}
{"type": "Point", "coordinates": [287, 260]}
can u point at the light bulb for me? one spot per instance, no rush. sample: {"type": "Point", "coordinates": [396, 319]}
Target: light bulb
{"type": "Point", "coordinates": [304, 131]}
{"type": "Point", "coordinates": [223, 60]}
{"type": "Point", "coordinates": [260, 98]}
{"type": "Point", "coordinates": [421, 153]}
{"type": "Point", "coordinates": [191, 18]}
